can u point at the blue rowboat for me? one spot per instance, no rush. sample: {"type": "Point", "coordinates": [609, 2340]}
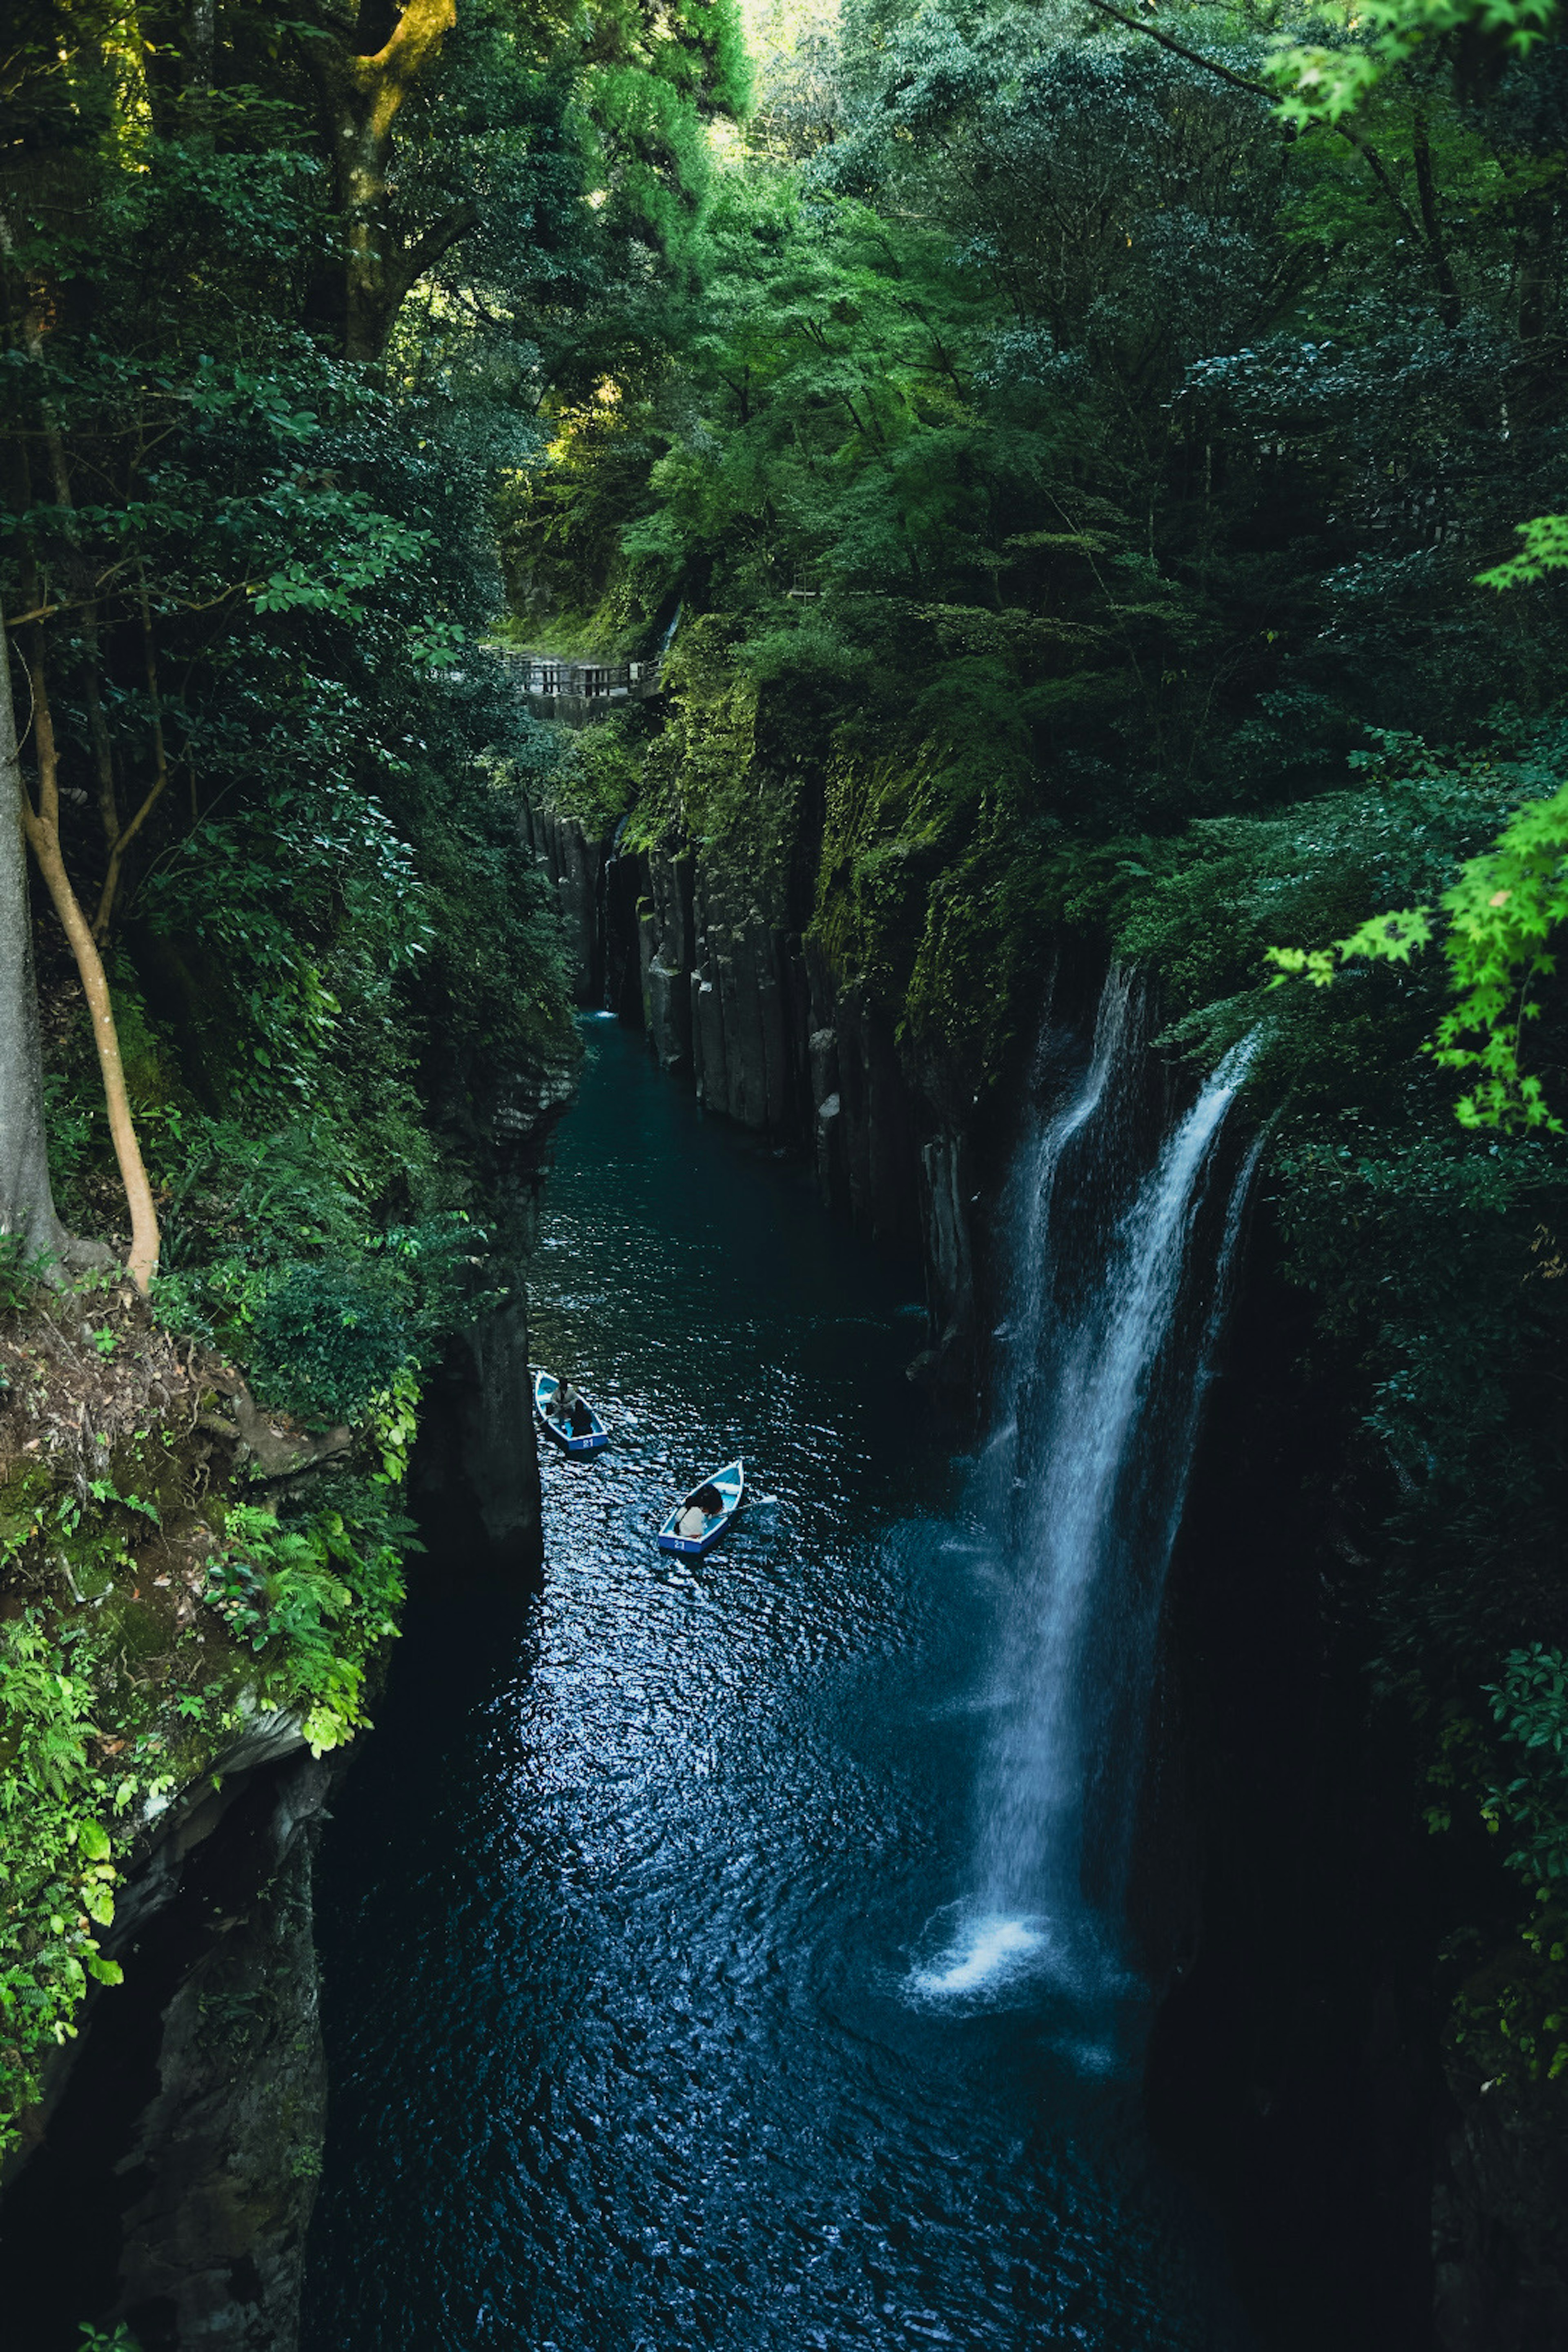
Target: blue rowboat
{"type": "Point", "coordinates": [584, 1432]}
{"type": "Point", "coordinates": [717, 1498]}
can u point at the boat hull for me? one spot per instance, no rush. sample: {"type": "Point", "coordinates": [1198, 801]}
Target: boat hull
{"type": "Point", "coordinates": [693, 1547]}
{"type": "Point", "coordinates": [593, 1442]}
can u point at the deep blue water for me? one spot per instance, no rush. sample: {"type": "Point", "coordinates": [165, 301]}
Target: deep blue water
{"type": "Point", "coordinates": [622, 1909]}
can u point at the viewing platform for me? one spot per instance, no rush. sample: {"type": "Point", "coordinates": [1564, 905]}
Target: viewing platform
{"type": "Point", "coordinates": [579, 691]}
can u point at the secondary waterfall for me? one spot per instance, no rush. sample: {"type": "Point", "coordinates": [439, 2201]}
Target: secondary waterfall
{"type": "Point", "coordinates": [1119, 1288]}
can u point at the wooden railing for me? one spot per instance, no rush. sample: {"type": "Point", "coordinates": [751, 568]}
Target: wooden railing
{"type": "Point", "coordinates": [548, 676]}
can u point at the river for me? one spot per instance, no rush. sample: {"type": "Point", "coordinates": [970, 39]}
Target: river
{"type": "Point", "coordinates": [626, 1910]}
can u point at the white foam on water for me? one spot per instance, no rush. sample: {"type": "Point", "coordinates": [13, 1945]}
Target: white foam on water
{"type": "Point", "coordinates": [978, 1958]}
{"type": "Point", "coordinates": [998, 1946]}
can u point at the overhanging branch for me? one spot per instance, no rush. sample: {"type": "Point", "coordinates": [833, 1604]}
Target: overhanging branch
{"type": "Point", "coordinates": [1425, 236]}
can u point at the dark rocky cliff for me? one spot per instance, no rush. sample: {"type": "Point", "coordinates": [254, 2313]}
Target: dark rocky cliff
{"type": "Point", "coordinates": [739, 1001]}
{"type": "Point", "coordinates": [1381, 2183]}
{"type": "Point", "coordinates": [174, 2171]}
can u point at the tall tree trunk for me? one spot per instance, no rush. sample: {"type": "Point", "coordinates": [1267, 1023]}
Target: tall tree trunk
{"type": "Point", "coordinates": [362, 92]}
{"type": "Point", "coordinates": [26, 1201]}
{"type": "Point", "coordinates": [42, 826]}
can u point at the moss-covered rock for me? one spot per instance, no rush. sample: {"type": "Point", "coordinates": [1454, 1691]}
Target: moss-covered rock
{"type": "Point", "coordinates": [162, 1586]}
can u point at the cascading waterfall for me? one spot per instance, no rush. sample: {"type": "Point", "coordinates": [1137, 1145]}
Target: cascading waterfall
{"type": "Point", "coordinates": [1118, 1296]}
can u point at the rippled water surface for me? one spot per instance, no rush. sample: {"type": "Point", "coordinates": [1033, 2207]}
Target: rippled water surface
{"type": "Point", "coordinates": [630, 1910]}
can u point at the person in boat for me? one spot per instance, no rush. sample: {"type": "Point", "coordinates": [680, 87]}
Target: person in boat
{"type": "Point", "coordinates": [704, 1506]}
{"type": "Point", "coordinates": [565, 1403]}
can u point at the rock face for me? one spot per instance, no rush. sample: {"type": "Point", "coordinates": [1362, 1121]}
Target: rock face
{"type": "Point", "coordinates": [1381, 2186]}
{"type": "Point", "coordinates": [222, 2169]}
{"type": "Point", "coordinates": [1500, 2220]}
{"type": "Point", "coordinates": [575, 866]}
{"type": "Point", "coordinates": [947, 1189]}
{"type": "Point", "coordinates": [474, 1480]}
{"type": "Point", "coordinates": [173, 2185]}
{"type": "Point", "coordinates": [741, 1003]}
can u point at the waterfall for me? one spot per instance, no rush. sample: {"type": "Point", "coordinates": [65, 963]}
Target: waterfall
{"type": "Point", "coordinates": [1118, 1296]}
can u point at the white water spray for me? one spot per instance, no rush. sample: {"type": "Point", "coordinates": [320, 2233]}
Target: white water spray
{"type": "Point", "coordinates": [1109, 1340]}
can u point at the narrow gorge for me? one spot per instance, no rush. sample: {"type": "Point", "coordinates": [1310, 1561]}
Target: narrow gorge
{"type": "Point", "coordinates": [845, 719]}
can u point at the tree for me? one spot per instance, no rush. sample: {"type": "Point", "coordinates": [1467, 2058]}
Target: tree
{"type": "Point", "coordinates": [41, 824]}
{"type": "Point", "coordinates": [444, 121]}
{"type": "Point", "coordinates": [26, 1200]}
{"type": "Point", "coordinates": [364, 72]}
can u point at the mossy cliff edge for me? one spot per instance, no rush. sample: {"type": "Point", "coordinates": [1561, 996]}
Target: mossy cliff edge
{"type": "Point", "coordinates": [195, 1601]}
{"type": "Point", "coordinates": [737, 880]}
{"type": "Point", "coordinates": [199, 1591]}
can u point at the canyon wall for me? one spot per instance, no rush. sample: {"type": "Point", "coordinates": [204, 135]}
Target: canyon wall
{"type": "Point", "coordinates": [742, 1004]}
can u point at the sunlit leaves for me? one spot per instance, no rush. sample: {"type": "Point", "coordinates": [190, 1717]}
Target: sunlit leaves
{"type": "Point", "coordinates": [1371, 38]}
{"type": "Point", "coordinates": [1502, 911]}
{"type": "Point", "coordinates": [1531, 1704]}
{"type": "Point", "coordinates": [57, 1872]}
{"type": "Point", "coordinates": [1545, 550]}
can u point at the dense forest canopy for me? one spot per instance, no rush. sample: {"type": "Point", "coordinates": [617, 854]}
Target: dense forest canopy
{"type": "Point", "coordinates": [246, 538]}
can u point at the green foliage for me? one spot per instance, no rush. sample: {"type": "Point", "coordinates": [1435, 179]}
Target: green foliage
{"type": "Point", "coordinates": [21, 1272]}
{"type": "Point", "coordinates": [1511, 2016]}
{"type": "Point", "coordinates": [1374, 38]}
{"type": "Point", "coordinates": [57, 1871]}
{"type": "Point", "coordinates": [326, 1335]}
{"type": "Point", "coordinates": [884, 464]}
{"type": "Point", "coordinates": [1531, 1704]}
{"type": "Point", "coordinates": [1545, 550]}
{"type": "Point", "coordinates": [603, 778]}
{"type": "Point", "coordinates": [313, 1602]}
{"type": "Point", "coordinates": [281, 1250]}
{"type": "Point", "coordinates": [1502, 910]}
{"type": "Point", "coordinates": [302, 1603]}
{"type": "Point", "coordinates": [324, 1342]}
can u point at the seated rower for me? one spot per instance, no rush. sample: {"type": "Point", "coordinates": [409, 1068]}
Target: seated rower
{"type": "Point", "coordinates": [693, 1522]}
{"type": "Point", "coordinates": [564, 1403]}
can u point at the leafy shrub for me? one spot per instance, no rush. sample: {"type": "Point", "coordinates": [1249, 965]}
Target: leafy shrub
{"type": "Point", "coordinates": [1531, 1704]}
{"type": "Point", "coordinates": [325, 1341]}
{"type": "Point", "coordinates": [20, 1274]}
{"type": "Point", "coordinates": [314, 1601]}
{"type": "Point", "coordinates": [56, 1875]}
